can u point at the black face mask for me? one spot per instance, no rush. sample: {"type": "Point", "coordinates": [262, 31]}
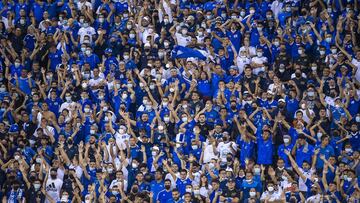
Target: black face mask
{"type": "Point", "coordinates": [53, 176]}
{"type": "Point", "coordinates": [70, 142]}
{"type": "Point", "coordinates": [135, 190]}
{"type": "Point", "coordinates": [298, 75]}
{"type": "Point", "coordinates": [332, 95]}
{"type": "Point", "coordinates": [167, 187]}
{"type": "Point", "coordinates": [233, 107]}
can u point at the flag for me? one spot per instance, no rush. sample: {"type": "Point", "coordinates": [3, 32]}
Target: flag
{"type": "Point", "coordinates": [185, 52]}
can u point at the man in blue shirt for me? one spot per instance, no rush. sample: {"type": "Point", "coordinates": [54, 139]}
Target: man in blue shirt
{"type": "Point", "coordinates": [165, 194]}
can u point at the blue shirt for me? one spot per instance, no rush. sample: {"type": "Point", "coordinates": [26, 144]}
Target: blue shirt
{"type": "Point", "coordinates": [304, 155]}
{"type": "Point", "coordinates": [164, 196]}
{"type": "Point", "coordinates": [156, 188]}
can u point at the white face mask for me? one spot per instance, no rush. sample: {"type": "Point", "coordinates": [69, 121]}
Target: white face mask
{"type": "Point", "coordinates": [184, 119]}
{"type": "Point", "coordinates": [242, 13]}
{"type": "Point", "coordinates": [333, 51]}
{"type": "Point", "coordinates": [68, 99]}
{"type": "Point", "coordinates": [88, 52]}
{"type": "Point", "coordinates": [166, 119]}
{"type": "Point", "coordinates": [300, 51]}
{"type": "Point", "coordinates": [101, 20]}
{"type": "Point", "coordinates": [92, 132]}
{"type": "Point", "coordinates": [153, 153]}
{"type": "Point", "coordinates": [270, 188]}
{"type": "Point", "coordinates": [357, 119]}
{"type": "Point", "coordinates": [286, 140]}
{"type": "Point", "coordinates": [252, 11]}
{"type": "Point", "coordinates": [188, 190]}
{"type": "Point", "coordinates": [132, 36]}
{"type": "Point", "coordinates": [86, 110]}
{"type": "Point", "coordinates": [252, 194]}
{"type": "Point", "coordinates": [322, 52]}
{"type": "Point", "coordinates": [84, 85]}
{"type": "Point", "coordinates": [126, 57]}
{"type": "Point", "coordinates": [259, 54]}
{"type": "Point", "coordinates": [124, 96]}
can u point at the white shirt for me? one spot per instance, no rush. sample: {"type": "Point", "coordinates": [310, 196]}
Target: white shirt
{"type": "Point", "coordinates": [90, 31]}
{"type": "Point", "coordinates": [260, 61]}
{"type": "Point", "coordinates": [276, 195]}
{"type": "Point", "coordinates": [308, 174]}
{"type": "Point", "coordinates": [224, 149]}
{"type": "Point", "coordinates": [53, 188]}
{"type": "Point", "coordinates": [120, 139]}
{"type": "Point", "coordinates": [209, 153]}
{"type": "Point", "coordinates": [95, 82]}
{"type": "Point", "coordinates": [115, 182]}
{"type": "Point", "coordinates": [182, 40]}
{"type": "Point", "coordinates": [252, 50]}
{"type": "Point", "coordinates": [241, 62]}
{"type": "Point", "coordinates": [86, 3]}
{"type": "Point", "coordinates": [356, 63]}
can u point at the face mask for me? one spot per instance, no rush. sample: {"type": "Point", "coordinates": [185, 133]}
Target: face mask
{"type": "Point", "coordinates": [86, 25]}
{"type": "Point", "coordinates": [166, 21]}
{"type": "Point", "coordinates": [172, 89]}
{"type": "Point", "coordinates": [115, 192]}
{"type": "Point", "coordinates": [134, 165]}
{"type": "Point", "coordinates": [84, 85]}
{"type": "Point", "coordinates": [88, 52]}
{"type": "Point", "coordinates": [121, 131]}
{"type": "Point", "coordinates": [92, 132]}
{"type": "Point", "coordinates": [259, 54]}
{"type": "Point", "coordinates": [252, 194]}
{"type": "Point", "coordinates": [126, 57]}
{"type": "Point", "coordinates": [68, 99]}
{"type": "Point", "coordinates": [17, 64]}
{"type": "Point", "coordinates": [348, 150]}
{"type": "Point", "coordinates": [288, 9]}
{"type": "Point", "coordinates": [86, 110]}
{"type": "Point", "coordinates": [188, 190]}
{"type": "Point", "coordinates": [132, 36]}
{"type": "Point", "coordinates": [259, 29]}
{"type": "Point", "coordinates": [328, 40]}
{"type": "Point", "coordinates": [184, 32]}
{"type": "Point", "coordinates": [2, 89]}
{"type": "Point", "coordinates": [101, 20]}
{"type": "Point", "coordinates": [349, 179]}
{"type": "Point", "coordinates": [248, 180]}
{"type": "Point", "coordinates": [333, 51]}
{"type": "Point", "coordinates": [257, 170]}
{"type": "Point", "coordinates": [252, 11]}
{"type": "Point", "coordinates": [153, 153]}
{"type": "Point", "coordinates": [286, 140]}
{"type": "Point", "coordinates": [166, 44]}
{"type": "Point", "coordinates": [17, 157]}
{"type": "Point", "coordinates": [166, 119]}
{"type": "Point", "coordinates": [194, 147]}
{"type": "Point", "coordinates": [124, 96]}
{"type": "Point", "coordinates": [313, 68]}
{"type": "Point", "coordinates": [276, 43]}
{"type": "Point", "coordinates": [211, 166]}
{"type": "Point", "coordinates": [311, 94]}
{"type": "Point", "coordinates": [101, 97]}
{"type": "Point", "coordinates": [357, 119]}
{"type": "Point", "coordinates": [184, 119]}
{"type": "Point", "coordinates": [110, 170]}
{"type": "Point", "coordinates": [165, 104]}
{"type": "Point", "coordinates": [270, 188]}
{"type": "Point", "coordinates": [322, 52]}
{"type": "Point", "coordinates": [300, 52]}
{"type": "Point", "coordinates": [152, 87]}
{"type": "Point", "coordinates": [22, 21]}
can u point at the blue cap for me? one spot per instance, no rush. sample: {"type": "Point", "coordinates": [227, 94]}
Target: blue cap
{"type": "Point", "coordinates": [108, 50]}
{"type": "Point", "coordinates": [14, 128]}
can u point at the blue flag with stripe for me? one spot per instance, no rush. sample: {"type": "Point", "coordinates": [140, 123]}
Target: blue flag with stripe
{"type": "Point", "coordinates": [185, 52]}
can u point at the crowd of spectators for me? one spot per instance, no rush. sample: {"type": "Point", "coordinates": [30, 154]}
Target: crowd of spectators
{"type": "Point", "coordinates": [179, 101]}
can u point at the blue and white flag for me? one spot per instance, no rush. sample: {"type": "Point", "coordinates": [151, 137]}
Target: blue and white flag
{"type": "Point", "coordinates": [185, 52]}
